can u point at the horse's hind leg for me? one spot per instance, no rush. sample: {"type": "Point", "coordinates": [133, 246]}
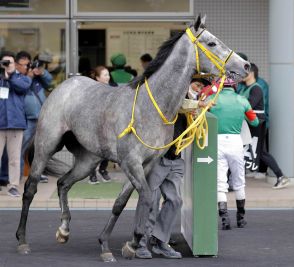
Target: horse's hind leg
{"type": "Point", "coordinates": [30, 190]}
{"type": "Point", "coordinates": [85, 162]}
{"type": "Point", "coordinates": [118, 207]}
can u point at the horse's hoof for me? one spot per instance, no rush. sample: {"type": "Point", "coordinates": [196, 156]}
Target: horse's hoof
{"type": "Point", "coordinates": [107, 257]}
{"type": "Point", "coordinates": [62, 236]}
{"type": "Point", "coordinates": [128, 251]}
{"type": "Point", "coordinates": [23, 249]}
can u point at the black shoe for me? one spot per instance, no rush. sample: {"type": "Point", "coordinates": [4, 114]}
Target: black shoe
{"type": "Point", "coordinates": [226, 224]}
{"type": "Point", "coordinates": [241, 223]}
{"type": "Point", "coordinates": [143, 253]}
{"type": "Point", "coordinates": [162, 248]}
{"type": "Point", "coordinates": [105, 176]}
{"type": "Point", "coordinates": [223, 213]}
{"type": "Point", "coordinates": [172, 242]}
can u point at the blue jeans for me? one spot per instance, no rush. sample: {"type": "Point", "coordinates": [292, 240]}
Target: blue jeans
{"type": "Point", "coordinates": [4, 166]}
{"type": "Point", "coordinates": [27, 136]}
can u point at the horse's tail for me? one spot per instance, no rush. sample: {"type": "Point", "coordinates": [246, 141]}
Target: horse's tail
{"type": "Point", "coordinates": [54, 167]}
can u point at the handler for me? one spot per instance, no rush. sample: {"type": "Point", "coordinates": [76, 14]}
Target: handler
{"type": "Point", "coordinates": [165, 179]}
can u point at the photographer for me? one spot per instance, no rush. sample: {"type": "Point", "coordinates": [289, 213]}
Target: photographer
{"type": "Point", "coordinates": [14, 86]}
{"type": "Point", "coordinates": [35, 97]}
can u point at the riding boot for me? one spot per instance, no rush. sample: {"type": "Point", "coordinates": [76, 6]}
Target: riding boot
{"type": "Point", "coordinates": [223, 213]}
{"type": "Point", "coordinates": [241, 213]}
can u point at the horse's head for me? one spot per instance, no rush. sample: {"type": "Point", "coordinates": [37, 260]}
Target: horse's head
{"type": "Point", "coordinates": [214, 56]}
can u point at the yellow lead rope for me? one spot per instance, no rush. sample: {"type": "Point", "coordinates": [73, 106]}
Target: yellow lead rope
{"type": "Point", "coordinates": [197, 128]}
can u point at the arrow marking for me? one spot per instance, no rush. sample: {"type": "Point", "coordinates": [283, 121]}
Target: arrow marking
{"type": "Point", "coordinates": [207, 160]}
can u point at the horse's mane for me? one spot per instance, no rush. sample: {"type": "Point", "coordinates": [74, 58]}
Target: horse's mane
{"type": "Point", "coordinates": [162, 54]}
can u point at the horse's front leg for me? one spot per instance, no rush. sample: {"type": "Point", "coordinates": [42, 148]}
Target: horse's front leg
{"type": "Point", "coordinates": [118, 207]}
{"type": "Point", "coordinates": [135, 172]}
{"type": "Point", "coordinates": [84, 164]}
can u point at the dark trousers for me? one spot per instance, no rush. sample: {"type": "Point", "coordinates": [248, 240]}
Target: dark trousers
{"type": "Point", "coordinates": [102, 167]}
{"type": "Point", "coordinates": [262, 165]}
{"type": "Point", "coordinates": [265, 157]}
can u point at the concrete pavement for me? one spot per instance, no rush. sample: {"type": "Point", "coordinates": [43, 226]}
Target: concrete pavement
{"type": "Point", "coordinates": [266, 241]}
{"type": "Point", "coordinates": [259, 195]}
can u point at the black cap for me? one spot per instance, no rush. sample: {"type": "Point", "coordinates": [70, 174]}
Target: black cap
{"type": "Point", "coordinates": [201, 80]}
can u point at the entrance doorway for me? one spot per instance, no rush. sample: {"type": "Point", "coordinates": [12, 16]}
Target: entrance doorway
{"type": "Point", "coordinates": [91, 49]}
{"type": "Point", "coordinates": [98, 41]}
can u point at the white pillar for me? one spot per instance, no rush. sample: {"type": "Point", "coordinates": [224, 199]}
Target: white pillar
{"type": "Point", "coordinates": [281, 63]}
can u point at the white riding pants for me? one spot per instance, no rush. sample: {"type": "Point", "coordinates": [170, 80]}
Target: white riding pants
{"type": "Point", "coordinates": [230, 156]}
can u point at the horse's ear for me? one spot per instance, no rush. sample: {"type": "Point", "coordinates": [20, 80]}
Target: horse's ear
{"type": "Point", "coordinates": [200, 22]}
{"type": "Point", "coordinates": [197, 23]}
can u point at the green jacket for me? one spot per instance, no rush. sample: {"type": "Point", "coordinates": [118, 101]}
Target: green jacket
{"type": "Point", "coordinates": [120, 76]}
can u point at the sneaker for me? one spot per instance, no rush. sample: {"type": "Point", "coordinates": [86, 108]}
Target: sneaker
{"type": "Point", "coordinates": [281, 182]}
{"type": "Point", "coordinates": [13, 192]}
{"type": "Point", "coordinates": [105, 177]}
{"type": "Point", "coordinates": [143, 253]}
{"type": "Point", "coordinates": [259, 175]}
{"type": "Point", "coordinates": [162, 248]}
{"type": "Point", "coordinates": [93, 180]}
{"type": "Point", "coordinates": [44, 179]}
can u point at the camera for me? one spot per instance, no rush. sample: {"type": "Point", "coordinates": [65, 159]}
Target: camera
{"type": "Point", "coordinates": [41, 60]}
{"type": "Point", "coordinates": [5, 63]}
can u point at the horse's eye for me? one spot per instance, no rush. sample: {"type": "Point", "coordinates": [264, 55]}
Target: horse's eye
{"type": "Point", "coordinates": [212, 44]}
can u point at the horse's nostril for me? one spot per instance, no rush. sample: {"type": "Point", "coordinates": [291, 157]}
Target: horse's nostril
{"type": "Point", "coordinates": [247, 67]}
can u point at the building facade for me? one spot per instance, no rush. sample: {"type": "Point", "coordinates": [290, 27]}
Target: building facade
{"type": "Point", "coordinates": [81, 34]}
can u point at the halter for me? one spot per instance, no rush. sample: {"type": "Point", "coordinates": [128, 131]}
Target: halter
{"type": "Point", "coordinates": [220, 64]}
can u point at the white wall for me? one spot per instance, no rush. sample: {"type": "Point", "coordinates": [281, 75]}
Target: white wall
{"type": "Point", "coordinates": [281, 63]}
{"type": "Point", "coordinates": [242, 25]}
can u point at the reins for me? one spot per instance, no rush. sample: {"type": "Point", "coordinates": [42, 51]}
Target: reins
{"type": "Point", "coordinates": [197, 128]}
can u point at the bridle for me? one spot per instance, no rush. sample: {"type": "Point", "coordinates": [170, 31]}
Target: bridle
{"type": "Point", "coordinates": [219, 63]}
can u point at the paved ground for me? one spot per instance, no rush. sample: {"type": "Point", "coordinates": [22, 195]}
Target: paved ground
{"type": "Point", "coordinates": [259, 195]}
{"type": "Point", "coordinates": [268, 240]}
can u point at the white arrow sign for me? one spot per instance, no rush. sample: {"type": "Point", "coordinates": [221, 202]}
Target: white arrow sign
{"type": "Point", "coordinates": [207, 160]}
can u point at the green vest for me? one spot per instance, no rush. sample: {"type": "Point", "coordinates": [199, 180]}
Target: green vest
{"type": "Point", "coordinates": [245, 91]}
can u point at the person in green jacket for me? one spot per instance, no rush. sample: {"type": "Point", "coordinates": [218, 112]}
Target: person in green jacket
{"type": "Point", "coordinates": [119, 75]}
{"type": "Point", "coordinates": [231, 110]}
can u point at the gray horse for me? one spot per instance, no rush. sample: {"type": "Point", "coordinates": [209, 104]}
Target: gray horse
{"type": "Point", "coordinates": [87, 117]}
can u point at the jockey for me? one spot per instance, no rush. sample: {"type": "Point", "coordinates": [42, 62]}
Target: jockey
{"type": "Point", "coordinates": [231, 109]}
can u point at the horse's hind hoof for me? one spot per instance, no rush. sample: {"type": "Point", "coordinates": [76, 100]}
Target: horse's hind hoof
{"type": "Point", "coordinates": [128, 251]}
{"type": "Point", "coordinates": [62, 236]}
{"type": "Point", "coordinates": [23, 249]}
{"type": "Point", "coordinates": [107, 257]}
